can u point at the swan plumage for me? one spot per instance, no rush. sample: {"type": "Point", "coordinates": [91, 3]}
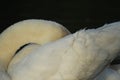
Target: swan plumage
{"type": "Point", "coordinates": [24, 32]}
{"type": "Point", "coordinates": [83, 55]}
{"type": "Point", "coordinates": [79, 56]}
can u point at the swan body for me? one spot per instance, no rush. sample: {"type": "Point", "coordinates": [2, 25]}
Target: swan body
{"type": "Point", "coordinates": [24, 32]}
{"type": "Point", "coordinates": [79, 56]}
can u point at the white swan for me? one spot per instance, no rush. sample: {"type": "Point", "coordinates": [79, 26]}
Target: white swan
{"type": "Point", "coordinates": [24, 32]}
{"type": "Point", "coordinates": [113, 71]}
{"type": "Point", "coordinates": [79, 56]}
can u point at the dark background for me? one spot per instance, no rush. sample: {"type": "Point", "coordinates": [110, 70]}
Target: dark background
{"type": "Point", "coordinates": [74, 14]}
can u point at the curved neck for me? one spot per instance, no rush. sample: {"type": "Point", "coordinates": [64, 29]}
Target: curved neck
{"type": "Point", "coordinates": [31, 31]}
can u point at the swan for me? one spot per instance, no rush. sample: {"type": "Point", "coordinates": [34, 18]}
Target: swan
{"type": "Point", "coordinates": [27, 31]}
{"type": "Point", "coordinates": [79, 56]}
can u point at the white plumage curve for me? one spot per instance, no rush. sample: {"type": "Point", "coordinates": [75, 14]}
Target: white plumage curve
{"type": "Point", "coordinates": [79, 56]}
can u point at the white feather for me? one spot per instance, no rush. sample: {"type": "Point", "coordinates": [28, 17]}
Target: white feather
{"type": "Point", "coordinates": [79, 56]}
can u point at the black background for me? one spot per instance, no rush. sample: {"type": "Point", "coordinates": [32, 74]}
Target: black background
{"type": "Point", "coordinates": [74, 14]}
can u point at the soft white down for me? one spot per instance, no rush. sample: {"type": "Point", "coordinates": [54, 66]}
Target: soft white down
{"type": "Point", "coordinates": [83, 55]}
{"type": "Point", "coordinates": [79, 56]}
